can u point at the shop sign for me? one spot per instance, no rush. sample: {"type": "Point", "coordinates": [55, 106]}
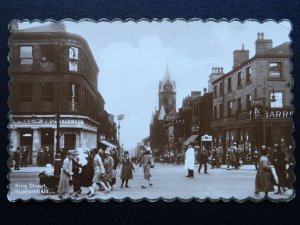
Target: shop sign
{"type": "Point", "coordinates": [273, 113]}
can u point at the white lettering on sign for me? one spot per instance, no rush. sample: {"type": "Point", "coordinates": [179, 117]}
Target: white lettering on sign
{"type": "Point", "coordinates": [278, 114]}
{"type": "Point", "coordinates": [206, 138]}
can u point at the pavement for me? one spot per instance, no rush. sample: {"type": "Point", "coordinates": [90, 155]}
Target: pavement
{"type": "Point", "coordinates": [169, 183]}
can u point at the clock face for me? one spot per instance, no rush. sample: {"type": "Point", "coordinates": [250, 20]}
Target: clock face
{"type": "Point", "coordinates": [168, 87]}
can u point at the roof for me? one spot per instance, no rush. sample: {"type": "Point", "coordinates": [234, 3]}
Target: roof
{"type": "Point", "coordinates": [280, 51]}
{"type": "Point", "coordinates": [191, 139]}
{"type": "Point", "coordinates": [51, 27]}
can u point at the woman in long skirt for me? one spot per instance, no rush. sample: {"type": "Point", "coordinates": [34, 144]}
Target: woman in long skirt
{"type": "Point", "coordinates": [147, 162]}
{"type": "Point", "coordinates": [265, 180]}
{"type": "Point", "coordinates": [126, 171]}
{"type": "Point", "coordinates": [65, 186]}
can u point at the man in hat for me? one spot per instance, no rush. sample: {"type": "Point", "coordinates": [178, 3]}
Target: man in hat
{"type": "Point", "coordinates": [17, 158]}
{"type": "Point", "coordinates": [189, 163]}
{"type": "Point", "coordinates": [24, 157]}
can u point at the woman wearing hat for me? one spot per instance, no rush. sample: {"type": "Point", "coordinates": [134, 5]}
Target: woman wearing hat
{"type": "Point", "coordinates": [109, 169]}
{"type": "Point", "coordinates": [127, 167]}
{"type": "Point", "coordinates": [65, 186]}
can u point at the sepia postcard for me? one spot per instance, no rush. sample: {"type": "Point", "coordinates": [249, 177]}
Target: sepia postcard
{"type": "Point", "coordinates": [151, 109]}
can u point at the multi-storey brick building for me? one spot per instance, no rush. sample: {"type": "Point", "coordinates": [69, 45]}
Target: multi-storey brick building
{"type": "Point", "coordinates": [252, 102]}
{"type": "Point", "coordinates": [54, 86]}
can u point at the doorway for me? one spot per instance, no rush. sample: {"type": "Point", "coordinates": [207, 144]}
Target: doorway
{"type": "Point", "coordinates": [70, 141]}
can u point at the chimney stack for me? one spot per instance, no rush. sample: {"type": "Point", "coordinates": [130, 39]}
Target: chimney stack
{"type": "Point", "coordinates": [240, 56]}
{"type": "Point", "coordinates": [262, 44]}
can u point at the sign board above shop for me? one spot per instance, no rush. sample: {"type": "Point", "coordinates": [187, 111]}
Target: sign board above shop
{"type": "Point", "coordinates": [206, 137]}
{"type": "Point", "coordinates": [273, 113]}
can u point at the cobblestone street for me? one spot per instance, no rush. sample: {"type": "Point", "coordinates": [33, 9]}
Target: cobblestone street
{"type": "Point", "coordinates": [169, 182]}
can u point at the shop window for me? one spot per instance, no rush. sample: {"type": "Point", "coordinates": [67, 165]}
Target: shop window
{"type": "Point", "coordinates": [278, 103]}
{"type": "Point", "coordinates": [25, 92]}
{"type": "Point", "coordinates": [47, 92]}
{"type": "Point", "coordinates": [275, 70]}
{"type": "Point", "coordinates": [73, 59]}
{"type": "Point", "coordinates": [26, 55]}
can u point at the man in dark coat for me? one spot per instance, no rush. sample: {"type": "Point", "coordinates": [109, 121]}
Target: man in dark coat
{"type": "Point", "coordinates": [17, 158]}
{"type": "Point", "coordinates": [255, 158]}
{"type": "Point", "coordinates": [203, 160]}
{"type": "Point", "coordinates": [280, 168]}
{"type": "Point", "coordinates": [24, 157]}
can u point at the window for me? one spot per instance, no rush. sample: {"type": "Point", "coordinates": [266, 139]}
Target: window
{"type": "Point", "coordinates": [239, 104]}
{"type": "Point", "coordinates": [278, 100]}
{"type": "Point", "coordinates": [215, 91]}
{"type": "Point", "coordinates": [25, 92]}
{"type": "Point", "coordinates": [229, 108]}
{"type": "Point", "coordinates": [26, 55]}
{"type": "Point", "coordinates": [221, 110]}
{"type": "Point", "coordinates": [73, 96]}
{"type": "Point", "coordinates": [73, 59]}
{"type": "Point", "coordinates": [248, 75]}
{"type": "Point", "coordinates": [221, 88]}
{"type": "Point", "coordinates": [215, 112]}
{"type": "Point", "coordinates": [239, 79]}
{"type": "Point", "coordinates": [229, 84]}
{"type": "Point", "coordinates": [275, 70]}
{"type": "Point", "coordinates": [48, 52]}
{"type": "Point", "coordinates": [47, 92]}
{"type": "Point", "coordinates": [248, 101]}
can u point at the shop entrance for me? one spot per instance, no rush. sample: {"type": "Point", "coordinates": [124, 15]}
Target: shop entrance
{"type": "Point", "coordinates": [70, 141]}
{"type": "Point", "coordinates": [26, 138]}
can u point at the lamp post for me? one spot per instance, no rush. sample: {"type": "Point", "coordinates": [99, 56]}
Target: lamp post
{"type": "Point", "coordinates": [263, 99]}
{"type": "Point", "coordinates": [44, 62]}
{"type": "Point", "coordinates": [120, 117]}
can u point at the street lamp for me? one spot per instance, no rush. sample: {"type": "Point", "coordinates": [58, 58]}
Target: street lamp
{"type": "Point", "coordinates": [120, 117]}
{"type": "Point", "coordinates": [263, 99]}
{"type": "Point", "coordinates": [44, 62]}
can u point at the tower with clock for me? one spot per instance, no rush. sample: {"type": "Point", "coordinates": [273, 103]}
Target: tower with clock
{"type": "Point", "coordinates": [167, 96]}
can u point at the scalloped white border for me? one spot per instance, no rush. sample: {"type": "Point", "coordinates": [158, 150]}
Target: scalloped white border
{"type": "Point", "coordinates": [160, 198]}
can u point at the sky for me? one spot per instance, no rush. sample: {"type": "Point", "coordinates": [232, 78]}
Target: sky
{"type": "Point", "coordinates": [132, 58]}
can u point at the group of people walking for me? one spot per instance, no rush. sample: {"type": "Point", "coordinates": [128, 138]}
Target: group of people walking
{"type": "Point", "coordinates": [20, 156]}
{"type": "Point", "coordinates": [100, 172]}
{"type": "Point", "coordinates": [265, 180]}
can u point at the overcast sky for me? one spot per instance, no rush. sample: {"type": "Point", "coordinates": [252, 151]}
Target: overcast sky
{"type": "Point", "coordinates": [133, 57]}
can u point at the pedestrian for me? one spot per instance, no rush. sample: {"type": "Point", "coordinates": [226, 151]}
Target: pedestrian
{"type": "Point", "coordinates": [108, 163]}
{"type": "Point", "coordinates": [280, 168]}
{"type": "Point", "coordinates": [17, 158]}
{"type": "Point", "coordinates": [24, 157]}
{"type": "Point", "coordinates": [76, 168]}
{"type": "Point", "coordinates": [264, 181]}
{"type": "Point", "coordinates": [99, 174]}
{"type": "Point", "coordinates": [255, 158]}
{"type": "Point", "coordinates": [65, 186]}
{"type": "Point", "coordinates": [189, 162]}
{"type": "Point", "coordinates": [87, 172]}
{"type": "Point", "coordinates": [127, 168]}
{"type": "Point", "coordinates": [203, 160]}
{"type": "Point", "coordinates": [147, 162]}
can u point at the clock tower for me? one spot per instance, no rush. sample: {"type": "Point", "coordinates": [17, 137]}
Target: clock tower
{"type": "Point", "coordinates": [167, 97]}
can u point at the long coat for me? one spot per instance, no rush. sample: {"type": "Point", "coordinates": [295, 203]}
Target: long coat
{"type": "Point", "coordinates": [146, 161]}
{"type": "Point", "coordinates": [189, 162]}
{"type": "Point", "coordinates": [64, 187]}
{"type": "Point", "coordinates": [109, 166]}
{"type": "Point", "coordinates": [264, 181]}
{"type": "Point", "coordinates": [280, 168]}
{"type": "Point", "coordinates": [98, 168]}
{"type": "Point", "coordinates": [127, 167]}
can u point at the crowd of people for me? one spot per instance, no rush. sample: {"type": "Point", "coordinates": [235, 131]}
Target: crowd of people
{"type": "Point", "coordinates": [99, 173]}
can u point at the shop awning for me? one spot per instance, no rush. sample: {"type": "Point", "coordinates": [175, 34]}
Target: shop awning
{"type": "Point", "coordinates": [191, 139]}
{"type": "Point", "coordinates": [108, 144]}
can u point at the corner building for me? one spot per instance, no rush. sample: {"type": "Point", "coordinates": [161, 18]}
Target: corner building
{"type": "Point", "coordinates": [53, 71]}
{"type": "Point", "coordinates": [252, 102]}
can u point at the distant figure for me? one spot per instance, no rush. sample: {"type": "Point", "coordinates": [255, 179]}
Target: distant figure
{"type": "Point", "coordinates": [147, 162]}
{"type": "Point", "coordinates": [24, 157]}
{"type": "Point", "coordinates": [255, 158]}
{"type": "Point", "coordinates": [264, 181]}
{"type": "Point", "coordinates": [17, 158]}
{"type": "Point", "coordinates": [127, 168]}
{"type": "Point", "coordinates": [203, 160]}
{"type": "Point", "coordinates": [189, 162]}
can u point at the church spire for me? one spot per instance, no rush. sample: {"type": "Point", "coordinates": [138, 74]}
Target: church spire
{"type": "Point", "coordinates": [167, 75]}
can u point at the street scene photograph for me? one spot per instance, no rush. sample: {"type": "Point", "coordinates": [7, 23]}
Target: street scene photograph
{"type": "Point", "coordinates": [150, 109]}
